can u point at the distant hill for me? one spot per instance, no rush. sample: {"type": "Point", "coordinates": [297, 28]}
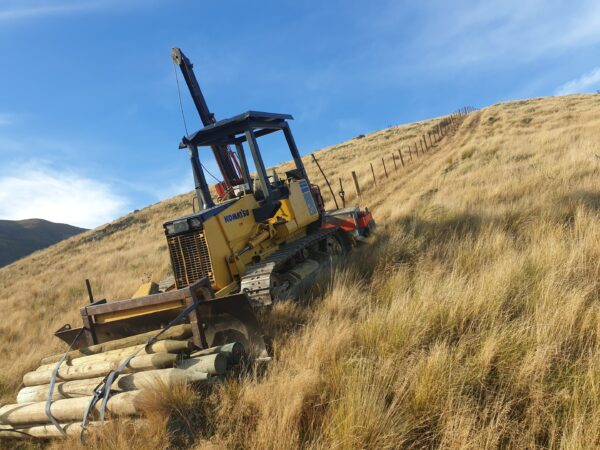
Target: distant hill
{"type": "Point", "coordinates": [19, 238]}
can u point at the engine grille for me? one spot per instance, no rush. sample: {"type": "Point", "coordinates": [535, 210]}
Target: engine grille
{"type": "Point", "coordinates": [190, 258]}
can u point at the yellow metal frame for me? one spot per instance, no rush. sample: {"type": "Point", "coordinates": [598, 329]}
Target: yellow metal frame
{"type": "Point", "coordinates": [228, 236]}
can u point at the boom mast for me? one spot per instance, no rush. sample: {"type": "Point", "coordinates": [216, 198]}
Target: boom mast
{"type": "Point", "coordinates": [228, 165]}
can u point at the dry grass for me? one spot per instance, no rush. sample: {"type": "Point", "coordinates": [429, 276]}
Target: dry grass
{"type": "Point", "coordinates": [473, 321]}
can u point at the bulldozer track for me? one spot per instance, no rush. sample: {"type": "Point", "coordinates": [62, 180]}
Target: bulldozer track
{"type": "Point", "coordinates": [257, 281]}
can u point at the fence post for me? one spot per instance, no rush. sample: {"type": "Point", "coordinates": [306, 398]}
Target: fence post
{"type": "Point", "coordinates": [384, 169]}
{"type": "Point", "coordinates": [373, 172]}
{"type": "Point", "coordinates": [430, 142]}
{"type": "Point", "coordinates": [342, 194]}
{"type": "Point", "coordinates": [354, 177]}
{"type": "Point", "coordinates": [394, 159]}
{"type": "Point", "coordinates": [421, 145]}
{"type": "Point", "coordinates": [424, 141]}
{"type": "Point", "coordinates": [401, 158]}
{"type": "Point", "coordinates": [409, 152]}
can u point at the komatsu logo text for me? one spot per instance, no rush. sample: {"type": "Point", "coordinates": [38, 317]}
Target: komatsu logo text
{"type": "Point", "coordinates": [236, 215]}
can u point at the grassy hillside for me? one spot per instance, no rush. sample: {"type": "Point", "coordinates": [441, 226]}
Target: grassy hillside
{"type": "Point", "coordinates": [471, 322]}
{"type": "Point", "coordinates": [19, 238]}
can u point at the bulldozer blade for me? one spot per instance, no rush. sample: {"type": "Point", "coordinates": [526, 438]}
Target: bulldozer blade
{"type": "Point", "coordinates": [217, 321]}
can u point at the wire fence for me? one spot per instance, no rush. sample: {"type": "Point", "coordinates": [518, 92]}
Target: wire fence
{"type": "Point", "coordinates": [401, 159]}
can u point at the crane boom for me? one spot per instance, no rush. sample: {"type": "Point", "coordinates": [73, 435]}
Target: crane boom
{"type": "Point", "coordinates": [226, 160]}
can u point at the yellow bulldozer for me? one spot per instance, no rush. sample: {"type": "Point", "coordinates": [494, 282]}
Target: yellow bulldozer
{"type": "Point", "coordinates": [265, 238]}
{"type": "Point", "coordinates": [259, 239]}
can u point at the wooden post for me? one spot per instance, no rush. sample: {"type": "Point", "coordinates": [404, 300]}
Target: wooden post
{"type": "Point", "coordinates": [69, 409]}
{"type": "Point", "coordinates": [401, 158]}
{"type": "Point", "coordinates": [384, 169]}
{"type": "Point", "coordinates": [355, 178]}
{"type": "Point", "coordinates": [373, 172]}
{"type": "Point", "coordinates": [177, 332]}
{"type": "Point", "coordinates": [342, 194]}
{"type": "Point", "coordinates": [234, 351]}
{"type": "Point", "coordinates": [99, 368]}
{"type": "Point", "coordinates": [409, 153]}
{"type": "Point", "coordinates": [394, 159]}
{"type": "Point", "coordinates": [215, 364]}
{"type": "Point", "coordinates": [166, 346]}
{"type": "Point", "coordinates": [124, 382]}
{"type": "Point", "coordinates": [421, 145]}
{"type": "Point", "coordinates": [46, 431]}
{"type": "Point", "coordinates": [417, 150]}
{"type": "Point", "coordinates": [430, 142]}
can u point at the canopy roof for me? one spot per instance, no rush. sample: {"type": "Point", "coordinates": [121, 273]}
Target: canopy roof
{"type": "Point", "coordinates": [231, 131]}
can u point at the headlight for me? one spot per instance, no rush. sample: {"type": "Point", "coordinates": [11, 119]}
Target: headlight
{"type": "Point", "coordinates": [181, 226]}
{"type": "Point", "coordinates": [195, 222]}
{"type": "Point", "coordinates": [170, 228]}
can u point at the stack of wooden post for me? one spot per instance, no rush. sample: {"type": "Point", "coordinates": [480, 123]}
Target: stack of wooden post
{"type": "Point", "coordinates": [163, 363]}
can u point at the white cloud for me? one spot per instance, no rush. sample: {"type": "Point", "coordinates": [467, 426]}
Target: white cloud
{"type": "Point", "coordinates": [470, 35]}
{"type": "Point", "coordinates": [521, 31]}
{"type": "Point", "coordinates": [14, 10]}
{"type": "Point", "coordinates": [585, 83]}
{"type": "Point", "coordinates": [33, 190]}
{"type": "Point", "coordinates": [28, 9]}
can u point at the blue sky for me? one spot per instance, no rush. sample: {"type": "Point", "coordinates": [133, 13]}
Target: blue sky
{"type": "Point", "coordinates": [89, 113]}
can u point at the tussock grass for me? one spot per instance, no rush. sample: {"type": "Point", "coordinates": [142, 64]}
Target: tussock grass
{"type": "Point", "coordinates": [472, 321]}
